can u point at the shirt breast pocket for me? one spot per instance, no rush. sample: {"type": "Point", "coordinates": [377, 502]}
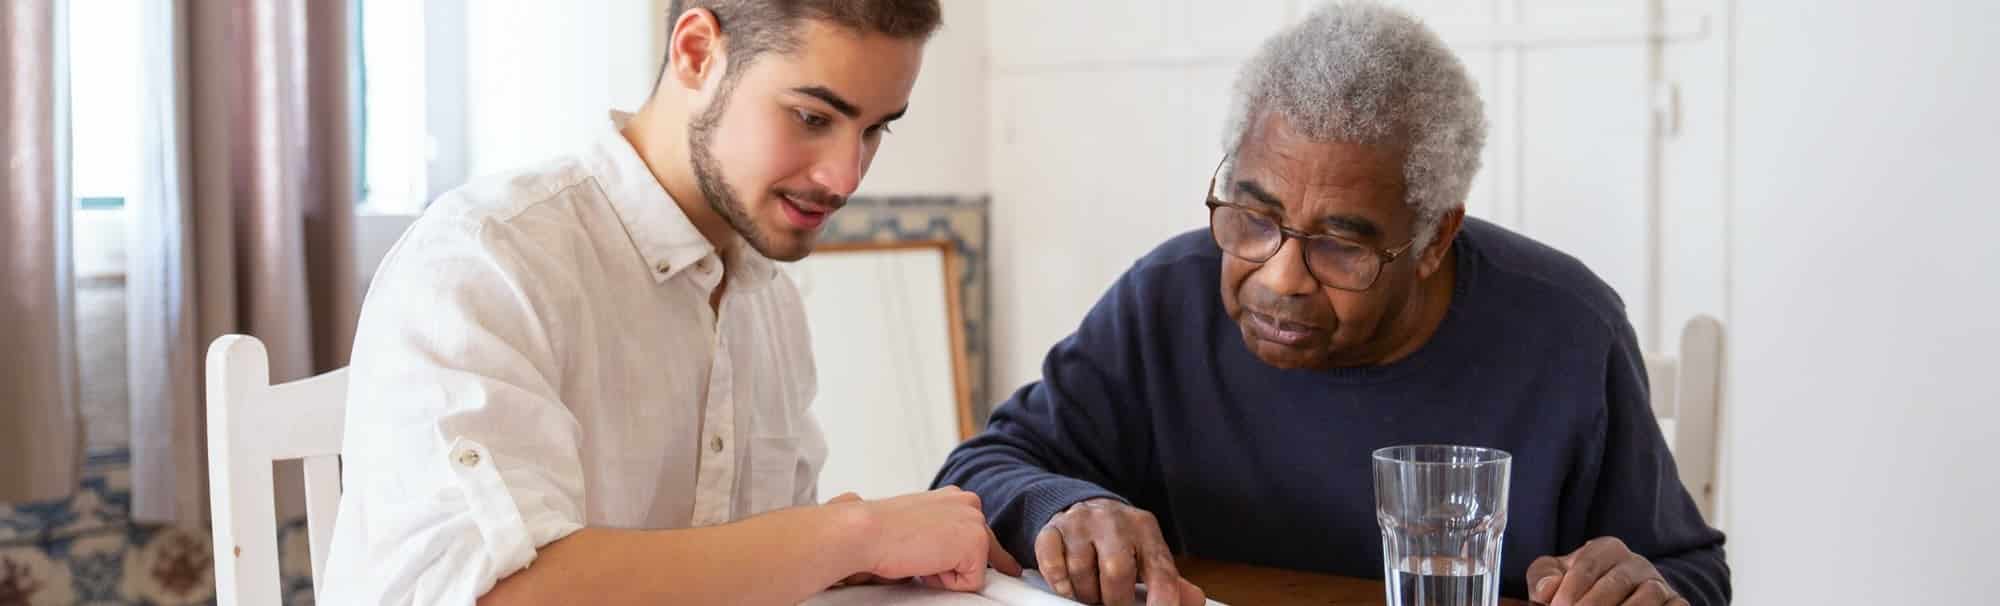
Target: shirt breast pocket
{"type": "Point", "coordinates": [777, 469]}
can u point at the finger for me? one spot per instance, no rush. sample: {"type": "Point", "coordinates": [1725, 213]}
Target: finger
{"type": "Point", "coordinates": [998, 558]}
{"type": "Point", "coordinates": [969, 577]}
{"type": "Point", "coordinates": [960, 495]}
{"type": "Point", "coordinates": [1049, 559]}
{"type": "Point", "coordinates": [1618, 583]}
{"type": "Point", "coordinates": [1652, 592]}
{"type": "Point", "coordinates": [1117, 573]}
{"type": "Point", "coordinates": [1544, 575]}
{"type": "Point", "coordinates": [1162, 588]}
{"type": "Point", "coordinates": [1584, 568]}
{"type": "Point", "coordinates": [845, 497]}
{"type": "Point", "coordinates": [1163, 578]}
{"type": "Point", "coordinates": [931, 580]}
{"type": "Point", "coordinates": [1081, 554]}
{"type": "Point", "coordinates": [1191, 595]}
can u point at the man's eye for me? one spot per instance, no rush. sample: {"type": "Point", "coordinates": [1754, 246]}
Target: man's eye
{"type": "Point", "coordinates": [1339, 249]}
{"type": "Point", "coordinates": [812, 120]}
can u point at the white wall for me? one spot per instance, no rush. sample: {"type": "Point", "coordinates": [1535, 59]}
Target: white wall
{"type": "Point", "coordinates": [940, 146]}
{"type": "Point", "coordinates": [1865, 298]}
{"type": "Point", "coordinates": [541, 75]}
{"type": "Point", "coordinates": [1105, 117]}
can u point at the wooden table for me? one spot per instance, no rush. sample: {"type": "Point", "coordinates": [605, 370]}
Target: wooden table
{"type": "Point", "coordinates": [1246, 585]}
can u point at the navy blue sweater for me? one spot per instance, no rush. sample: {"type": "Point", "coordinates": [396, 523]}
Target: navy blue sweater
{"type": "Point", "coordinates": [1156, 401]}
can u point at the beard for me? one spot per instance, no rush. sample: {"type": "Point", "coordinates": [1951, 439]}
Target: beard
{"type": "Point", "coordinates": [708, 175]}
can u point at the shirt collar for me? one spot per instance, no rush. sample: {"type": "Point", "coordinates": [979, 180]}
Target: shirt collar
{"type": "Point", "coordinates": [662, 233]}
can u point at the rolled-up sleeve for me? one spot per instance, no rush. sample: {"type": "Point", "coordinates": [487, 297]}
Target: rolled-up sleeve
{"type": "Point", "coordinates": [459, 458]}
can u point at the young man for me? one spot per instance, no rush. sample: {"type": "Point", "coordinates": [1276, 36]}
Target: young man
{"type": "Point", "coordinates": [587, 381]}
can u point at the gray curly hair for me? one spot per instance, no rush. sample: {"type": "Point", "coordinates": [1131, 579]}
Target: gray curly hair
{"type": "Point", "coordinates": [1361, 72]}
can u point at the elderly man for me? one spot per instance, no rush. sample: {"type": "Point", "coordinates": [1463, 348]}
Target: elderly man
{"type": "Point", "coordinates": [1223, 398]}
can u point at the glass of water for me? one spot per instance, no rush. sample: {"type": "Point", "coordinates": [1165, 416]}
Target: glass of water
{"type": "Point", "coordinates": [1443, 510]}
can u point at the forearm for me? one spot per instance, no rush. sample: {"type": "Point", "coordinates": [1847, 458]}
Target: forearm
{"type": "Point", "coordinates": [780, 558]}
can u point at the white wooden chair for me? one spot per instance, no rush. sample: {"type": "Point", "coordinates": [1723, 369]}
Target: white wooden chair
{"type": "Point", "coordinates": [252, 423]}
{"type": "Point", "coordinates": [1686, 394]}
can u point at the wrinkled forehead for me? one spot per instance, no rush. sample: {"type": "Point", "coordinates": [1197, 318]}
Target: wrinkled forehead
{"type": "Point", "coordinates": [1353, 189]}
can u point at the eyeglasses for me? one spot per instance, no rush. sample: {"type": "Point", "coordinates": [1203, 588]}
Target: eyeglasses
{"type": "Point", "coordinates": [1256, 236]}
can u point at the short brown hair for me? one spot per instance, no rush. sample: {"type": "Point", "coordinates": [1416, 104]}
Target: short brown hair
{"type": "Point", "coordinates": [754, 27]}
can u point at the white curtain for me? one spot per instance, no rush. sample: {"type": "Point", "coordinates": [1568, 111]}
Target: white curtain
{"type": "Point", "coordinates": [243, 222]}
{"type": "Point", "coordinates": [41, 434]}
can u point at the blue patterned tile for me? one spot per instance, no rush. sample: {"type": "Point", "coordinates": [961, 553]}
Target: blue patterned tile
{"type": "Point", "coordinates": [85, 549]}
{"type": "Point", "coordinates": [27, 522]}
{"type": "Point", "coordinates": [97, 567]}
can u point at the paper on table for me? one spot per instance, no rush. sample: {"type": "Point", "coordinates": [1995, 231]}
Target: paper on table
{"type": "Point", "coordinates": [1001, 590]}
{"type": "Point", "coordinates": [1029, 590]}
{"type": "Point", "coordinates": [1033, 579]}
{"type": "Point", "coordinates": [909, 594]}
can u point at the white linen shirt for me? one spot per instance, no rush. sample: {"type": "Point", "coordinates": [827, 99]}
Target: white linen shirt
{"type": "Point", "coordinates": [538, 354]}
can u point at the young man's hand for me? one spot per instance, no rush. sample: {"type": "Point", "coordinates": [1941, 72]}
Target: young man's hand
{"type": "Point", "coordinates": [939, 537]}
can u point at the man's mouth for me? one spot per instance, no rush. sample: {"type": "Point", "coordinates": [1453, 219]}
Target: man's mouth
{"type": "Point", "coordinates": [804, 213]}
{"type": "Point", "coordinates": [1283, 332]}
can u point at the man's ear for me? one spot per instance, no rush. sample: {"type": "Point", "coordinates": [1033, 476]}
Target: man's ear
{"type": "Point", "coordinates": [1441, 239]}
{"type": "Point", "coordinates": [695, 50]}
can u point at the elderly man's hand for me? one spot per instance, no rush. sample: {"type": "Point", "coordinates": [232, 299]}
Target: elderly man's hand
{"type": "Point", "coordinates": [1603, 572]}
{"type": "Point", "coordinates": [1098, 550]}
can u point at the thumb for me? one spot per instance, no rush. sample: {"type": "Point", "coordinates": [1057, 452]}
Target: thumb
{"type": "Point", "coordinates": [998, 558]}
{"type": "Point", "coordinates": [1545, 577]}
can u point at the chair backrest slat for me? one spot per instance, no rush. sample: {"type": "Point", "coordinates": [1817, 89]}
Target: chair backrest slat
{"type": "Point", "coordinates": [1686, 396]}
{"type": "Point", "coordinates": [252, 423]}
{"type": "Point", "coordinates": [1698, 410]}
{"type": "Point", "coordinates": [322, 499]}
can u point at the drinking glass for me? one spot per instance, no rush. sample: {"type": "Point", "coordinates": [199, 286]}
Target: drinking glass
{"type": "Point", "coordinates": [1442, 510]}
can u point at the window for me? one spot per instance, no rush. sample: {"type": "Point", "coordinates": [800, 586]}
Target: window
{"type": "Point", "coordinates": [104, 92]}
{"type": "Point", "coordinates": [546, 71]}
{"type": "Point", "coordinates": [397, 148]}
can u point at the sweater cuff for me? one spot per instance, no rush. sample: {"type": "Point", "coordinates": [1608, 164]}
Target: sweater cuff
{"type": "Point", "coordinates": [1043, 501]}
{"type": "Point", "coordinates": [1698, 586]}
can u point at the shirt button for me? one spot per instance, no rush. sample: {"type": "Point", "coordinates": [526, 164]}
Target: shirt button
{"type": "Point", "coordinates": [663, 267]}
{"type": "Point", "coordinates": [715, 444]}
{"type": "Point", "coordinates": [466, 456]}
